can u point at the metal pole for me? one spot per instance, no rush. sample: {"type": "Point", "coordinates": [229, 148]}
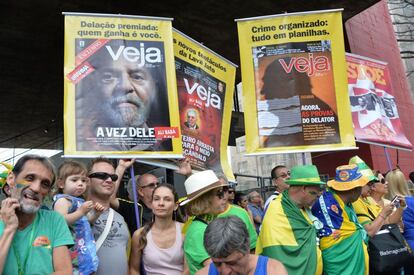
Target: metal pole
{"type": "Point", "coordinates": [134, 191]}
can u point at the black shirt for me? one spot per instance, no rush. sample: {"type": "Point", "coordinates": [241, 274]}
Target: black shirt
{"type": "Point", "coordinates": [126, 209]}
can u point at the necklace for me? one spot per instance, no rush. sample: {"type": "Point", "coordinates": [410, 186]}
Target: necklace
{"type": "Point", "coordinates": [22, 267]}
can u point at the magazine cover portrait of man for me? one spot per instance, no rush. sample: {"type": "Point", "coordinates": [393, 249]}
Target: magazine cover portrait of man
{"type": "Point", "coordinates": [123, 99]}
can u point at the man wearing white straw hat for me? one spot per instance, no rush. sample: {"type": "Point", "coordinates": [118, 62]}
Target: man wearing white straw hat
{"type": "Point", "coordinates": [205, 200]}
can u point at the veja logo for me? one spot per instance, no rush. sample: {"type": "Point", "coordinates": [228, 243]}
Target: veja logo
{"type": "Point", "coordinates": [309, 65]}
{"type": "Point", "coordinates": [205, 95]}
{"type": "Point", "coordinates": [132, 54]}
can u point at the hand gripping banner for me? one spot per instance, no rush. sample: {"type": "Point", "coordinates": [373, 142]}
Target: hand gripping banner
{"type": "Point", "coordinates": [294, 83]}
{"type": "Point", "coordinates": [120, 87]}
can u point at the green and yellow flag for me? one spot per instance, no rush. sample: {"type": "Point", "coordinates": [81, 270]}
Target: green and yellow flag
{"type": "Point", "coordinates": [288, 235]}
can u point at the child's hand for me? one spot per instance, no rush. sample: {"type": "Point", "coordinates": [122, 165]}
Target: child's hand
{"type": "Point", "coordinates": [99, 208]}
{"type": "Point", "coordinates": [86, 207]}
{"type": "Point", "coordinates": [96, 212]}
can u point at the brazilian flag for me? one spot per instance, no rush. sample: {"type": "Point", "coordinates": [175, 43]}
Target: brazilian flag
{"type": "Point", "coordinates": [288, 235]}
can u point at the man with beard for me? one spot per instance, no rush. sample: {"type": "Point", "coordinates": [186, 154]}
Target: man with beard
{"type": "Point", "coordinates": [32, 240]}
{"type": "Point", "coordinates": [119, 103]}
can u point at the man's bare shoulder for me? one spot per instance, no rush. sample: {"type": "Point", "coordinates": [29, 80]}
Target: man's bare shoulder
{"type": "Point", "coordinates": [275, 267]}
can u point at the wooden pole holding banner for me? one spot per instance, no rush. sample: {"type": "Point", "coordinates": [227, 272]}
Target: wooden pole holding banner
{"type": "Point", "coordinates": [134, 191]}
{"type": "Point", "coordinates": [387, 156]}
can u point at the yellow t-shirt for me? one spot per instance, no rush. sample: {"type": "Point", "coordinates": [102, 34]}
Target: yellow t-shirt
{"type": "Point", "coordinates": [366, 209]}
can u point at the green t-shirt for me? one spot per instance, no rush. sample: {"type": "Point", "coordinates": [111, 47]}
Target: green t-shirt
{"type": "Point", "coordinates": [234, 210]}
{"type": "Point", "coordinates": [50, 231]}
{"type": "Point", "coordinates": [194, 250]}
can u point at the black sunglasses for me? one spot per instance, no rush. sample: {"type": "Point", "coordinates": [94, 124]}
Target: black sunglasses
{"type": "Point", "coordinates": [382, 181]}
{"type": "Point", "coordinates": [103, 176]}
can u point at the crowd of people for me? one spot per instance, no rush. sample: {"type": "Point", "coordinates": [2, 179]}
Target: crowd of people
{"type": "Point", "coordinates": [307, 226]}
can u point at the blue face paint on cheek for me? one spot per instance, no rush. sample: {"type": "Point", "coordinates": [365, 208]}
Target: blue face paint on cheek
{"type": "Point", "coordinates": [22, 184]}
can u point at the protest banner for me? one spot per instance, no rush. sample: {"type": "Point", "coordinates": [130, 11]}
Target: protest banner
{"type": "Point", "coordinates": [205, 85]}
{"type": "Point", "coordinates": [294, 77]}
{"type": "Point", "coordinates": [120, 87]}
{"type": "Point", "coordinates": [374, 108]}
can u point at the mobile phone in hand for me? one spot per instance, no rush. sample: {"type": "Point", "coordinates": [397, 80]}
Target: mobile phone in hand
{"type": "Point", "coordinates": [396, 201]}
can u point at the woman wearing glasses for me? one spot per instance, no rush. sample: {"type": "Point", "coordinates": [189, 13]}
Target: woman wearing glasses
{"type": "Point", "coordinates": [371, 214]}
{"type": "Point", "coordinates": [379, 189]}
{"type": "Point", "coordinates": [205, 200]}
{"type": "Point", "coordinates": [157, 247]}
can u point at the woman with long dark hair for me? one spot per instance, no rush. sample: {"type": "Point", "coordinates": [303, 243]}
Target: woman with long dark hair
{"type": "Point", "coordinates": [158, 246]}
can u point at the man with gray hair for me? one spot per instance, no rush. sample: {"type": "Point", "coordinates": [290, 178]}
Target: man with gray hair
{"type": "Point", "coordinates": [227, 243]}
{"type": "Point", "coordinates": [191, 122]}
{"type": "Point", "coordinates": [255, 205]}
{"type": "Point", "coordinates": [38, 237]}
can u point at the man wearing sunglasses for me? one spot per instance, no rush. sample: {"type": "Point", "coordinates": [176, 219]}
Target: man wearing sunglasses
{"type": "Point", "coordinates": [113, 252]}
{"type": "Point", "coordinates": [279, 174]}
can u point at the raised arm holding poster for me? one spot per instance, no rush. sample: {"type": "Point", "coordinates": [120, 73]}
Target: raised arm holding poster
{"type": "Point", "coordinates": [293, 71]}
{"type": "Point", "coordinates": [120, 88]}
{"type": "Point", "coordinates": [374, 109]}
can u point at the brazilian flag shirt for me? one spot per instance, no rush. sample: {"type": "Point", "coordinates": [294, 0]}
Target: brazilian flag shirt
{"type": "Point", "coordinates": [288, 235]}
{"type": "Point", "coordinates": [342, 238]}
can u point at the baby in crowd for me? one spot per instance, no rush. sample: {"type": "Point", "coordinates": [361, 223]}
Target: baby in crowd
{"type": "Point", "coordinates": [79, 214]}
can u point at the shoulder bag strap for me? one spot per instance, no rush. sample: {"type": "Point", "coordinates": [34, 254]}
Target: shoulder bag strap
{"type": "Point", "coordinates": [106, 230]}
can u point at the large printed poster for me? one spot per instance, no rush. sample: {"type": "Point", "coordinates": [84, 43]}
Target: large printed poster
{"type": "Point", "coordinates": [205, 84]}
{"type": "Point", "coordinates": [374, 109]}
{"type": "Point", "coordinates": [293, 70]}
{"type": "Point", "coordinates": [120, 88]}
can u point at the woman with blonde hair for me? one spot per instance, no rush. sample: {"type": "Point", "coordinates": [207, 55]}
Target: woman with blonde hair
{"type": "Point", "coordinates": [397, 184]}
{"type": "Point", "coordinates": [205, 200]}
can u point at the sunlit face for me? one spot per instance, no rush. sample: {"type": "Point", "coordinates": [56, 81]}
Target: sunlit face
{"type": "Point", "coordinates": [102, 187]}
{"type": "Point", "coordinates": [75, 185]}
{"type": "Point", "coordinates": [218, 201]}
{"type": "Point", "coordinates": [234, 264]}
{"type": "Point", "coordinates": [31, 185]}
{"type": "Point", "coordinates": [381, 186]}
{"type": "Point", "coordinates": [313, 192]}
{"type": "Point", "coordinates": [255, 198]}
{"type": "Point", "coordinates": [282, 174]}
{"type": "Point", "coordinates": [127, 90]}
{"type": "Point", "coordinates": [147, 184]}
{"type": "Point", "coordinates": [163, 203]}
{"type": "Point", "coordinates": [243, 202]}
